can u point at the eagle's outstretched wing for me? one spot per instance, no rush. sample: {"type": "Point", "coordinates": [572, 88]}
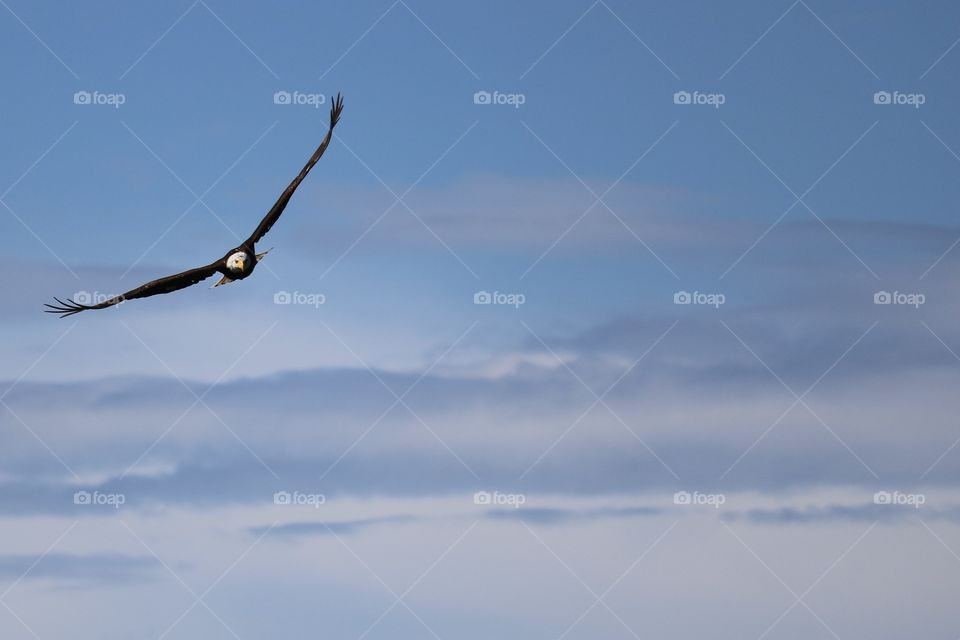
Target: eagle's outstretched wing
{"type": "Point", "coordinates": [155, 287]}
{"type": "Point", "coordinates": [274, 214]}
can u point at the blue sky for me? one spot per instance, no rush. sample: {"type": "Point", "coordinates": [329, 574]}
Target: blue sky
{"type": "Point", "coordinates": [713, 392]}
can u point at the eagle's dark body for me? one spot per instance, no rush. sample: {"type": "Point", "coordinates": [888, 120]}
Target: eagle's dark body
{"type": "Point", "coordinates": [237, 264]}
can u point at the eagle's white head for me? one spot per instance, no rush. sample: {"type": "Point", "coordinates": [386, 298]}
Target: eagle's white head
{"type": "Point", "coordinates": [235, 262]}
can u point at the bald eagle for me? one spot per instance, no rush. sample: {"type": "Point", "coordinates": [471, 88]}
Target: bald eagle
{"type": "Point", "coordinates": [237, 264]}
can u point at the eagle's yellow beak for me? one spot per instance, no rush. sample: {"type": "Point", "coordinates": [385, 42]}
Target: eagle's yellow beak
{"type": "Point", "coordinates": [242, 264]}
